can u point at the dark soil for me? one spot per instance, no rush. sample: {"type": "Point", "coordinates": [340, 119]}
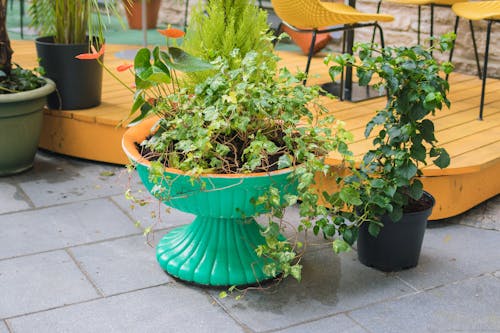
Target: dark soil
{"type": "Point", "coordinates": [425, 202]}
{"type": "Point", "coordinates": [234, 159]}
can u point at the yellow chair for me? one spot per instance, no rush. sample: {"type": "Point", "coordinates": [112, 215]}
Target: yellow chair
{"type": "Point", "coordinates": [480, 10]}
{"type": "Point", "coordinates": [433, 4]}
{"type": "Point", "coordinates": [308, 16]}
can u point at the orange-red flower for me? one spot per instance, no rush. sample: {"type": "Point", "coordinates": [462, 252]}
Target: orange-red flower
{"type": "Point", "coordinates": [124, 67]}
{"type": "Point", "coordinates": [172, 33]}
{"type": "Point", "coordinates": [93, 55]}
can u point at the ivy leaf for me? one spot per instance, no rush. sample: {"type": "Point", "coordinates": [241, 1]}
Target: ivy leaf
{"type": "Point", "coordinates": [284, 161]}
{"type": "Point", "coordinates": [340, 245]}
{"type": "Point", "coordinates": [296, 272]}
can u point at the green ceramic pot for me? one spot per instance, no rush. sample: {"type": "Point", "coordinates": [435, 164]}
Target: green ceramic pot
{"type": "Point", "coordinates": [218, 247]}
{"type": "Point", "coordinates": [21, 116]}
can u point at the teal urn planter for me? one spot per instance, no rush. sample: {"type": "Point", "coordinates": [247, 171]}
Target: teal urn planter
{"type": "Point", "coordinates": [218, 247]}
{"type": "Point", "coordinates": [21, 116]}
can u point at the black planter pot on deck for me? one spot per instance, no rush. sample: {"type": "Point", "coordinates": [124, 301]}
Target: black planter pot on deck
{"type": "Point", "coordinates": [78, 82]}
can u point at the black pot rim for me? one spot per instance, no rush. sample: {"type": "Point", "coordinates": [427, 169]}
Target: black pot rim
{"type": "Point", "coordinates": [49, 40]}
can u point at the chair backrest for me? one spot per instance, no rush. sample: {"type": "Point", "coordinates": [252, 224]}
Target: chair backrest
{"type": "Point", "coordinates": [478, 10]}
{"type": "Point", "coordinates": [311, 14]}
{"type": "Point", "coordinates": [299, 13]}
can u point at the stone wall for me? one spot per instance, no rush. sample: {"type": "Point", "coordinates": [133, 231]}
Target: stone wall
{"type": "Point", "coordinates": [403, 30]}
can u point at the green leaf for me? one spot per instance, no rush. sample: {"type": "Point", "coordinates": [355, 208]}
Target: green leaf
{"type": "Point", "coordinates": [373, 229]}
{"type": "Point", "coordinates": [284, 161]}
{"type": "Point", "coordinates": [142, 61]}
{"type": "Point", "coordinates": [340, 245]}
{"type": "Point", "coordinates": [350, 235]}
{"type": "Point", "coordinates": [184, 62]}
{"type": "Point", "coordinates": [350, 196]}
{"type": "Point", "coordinates": [296, 272]}
{"type": "Point", "coordinates": [416, 189]}
{"type": "Point", "coordinates": [407, 170]}
{"type": "Point", "coordinates": [427, 130]}
{"type": "Point", "coordinates": [443, 160]}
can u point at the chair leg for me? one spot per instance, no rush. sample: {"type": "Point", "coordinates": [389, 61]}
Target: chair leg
{"type": "Point", "coordinates": [382, 42]}
{"type": "Point", "coordinates": [471, 26]}
{"type": "Point", "coordinates": [277, 33]}
{"type": "Point", "coordinates": [186, 10]}
{"type": "Point", "coordinates": [432, 26]}
{"type": "Point", "coordinates": [485, 69]}
{"type": "Point", "coordinates": [375, 28]}
{"type": "Point", "coordinates": [418, 24]}
{"type": "Point", "coordinates": [455, 30]}
{"type": "Point", "coordinates": [309, 56]}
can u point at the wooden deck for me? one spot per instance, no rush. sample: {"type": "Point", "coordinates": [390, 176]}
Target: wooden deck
{"type": "Point", "coordinates": [474, 145]}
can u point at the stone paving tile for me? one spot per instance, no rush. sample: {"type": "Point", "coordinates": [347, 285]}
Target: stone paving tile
{"type": "Point", "coordinates": [3, 328]}
{"type": "Point", "coordinates": [56, 180]}
{"type": "Point", "coordinates": [454, 252]}
{"type": "Point", "coordinates": [339, 323]}
{"type": "Point", "coordinates": [467, 306]}
{"type": "Point", "coordinates": [147, 215]}
{"type": "Point", "coordinates": [121, 265]}
{"type": "Point", "coordinates": [10, 199]}
{"type": "Point", "coordinates": [330, 284]}
{"type": "Point", "coordinates": [61, 226]}
{"type": "Point", "coordinates": [485, 215]}
{"type": "Point", "coordinates": [171, 308]}
{"type": "Point", "coordinates": [41, 282]}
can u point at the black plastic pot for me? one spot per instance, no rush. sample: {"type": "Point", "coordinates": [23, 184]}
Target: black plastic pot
{"type": "Point", "coordinates": [78, 82]}
{"type": "Point", "coordinates": [398, 244]}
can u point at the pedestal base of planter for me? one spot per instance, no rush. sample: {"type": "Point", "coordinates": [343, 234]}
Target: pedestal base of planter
{"type": "Point", "coordinates": [214, 251]}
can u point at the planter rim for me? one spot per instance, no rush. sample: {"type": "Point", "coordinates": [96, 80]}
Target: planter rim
{"type": "Point", "coordinates": [49, 40]}
{"type": "Point", "coordinates": [44, 90]}
{"type": "Point", "coordinates": [139, 132]}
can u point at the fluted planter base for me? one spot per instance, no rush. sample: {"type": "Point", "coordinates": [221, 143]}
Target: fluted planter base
{"type": "Point", "coordinates": [214, 251]}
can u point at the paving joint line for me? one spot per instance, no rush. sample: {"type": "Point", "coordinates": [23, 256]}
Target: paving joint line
{"type": "Point", "coordinates": [55, 205]}
{"type": "Point", "coordinates": [85, 273]}
{"type": "Point", "coordinates": [8, 326]}
{"type": "Point", "coordinates": [82, 302]}
{"type": "Point", "coordinates": [238, 322]}
{"type": "Point", "coordinates": [358, 323]}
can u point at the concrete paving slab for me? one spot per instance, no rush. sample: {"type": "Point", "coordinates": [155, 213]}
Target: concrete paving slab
{"type": "Point", "coordinates": [171, 308]}
{"type": "Point", "coordinates": [331, 284]}
{"type": "Point", "coordinates": [121, 265]}
{"type": "Point", "coordinates": [485, 215]}
{"type": "Point", "coordinates": [56, 180]}
{"type": "Point", "coordinates": [454, 252]}
{"type": "Point", "coordinates": [338, 323]}
{"type": "Point", "coordinates": [62, 226]}
{"type": "Point", "coordinates": [467, 306]}
{"type": "Point", "coordinates": [40, 282]}
{"type": "Point", "coordinates": [148, 214]}
{"type": "Point", "coordinates": [10, 199]}
{"type": "Point", "coordinates": [3, 327]}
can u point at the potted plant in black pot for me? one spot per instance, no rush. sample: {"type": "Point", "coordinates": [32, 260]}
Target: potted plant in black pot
{"type": "Point", "coordinates": [390, 196]}
{"type": "Point", "coordinates": [69, 28]}
{"type": "Point", "coordinates": [22, 98]}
